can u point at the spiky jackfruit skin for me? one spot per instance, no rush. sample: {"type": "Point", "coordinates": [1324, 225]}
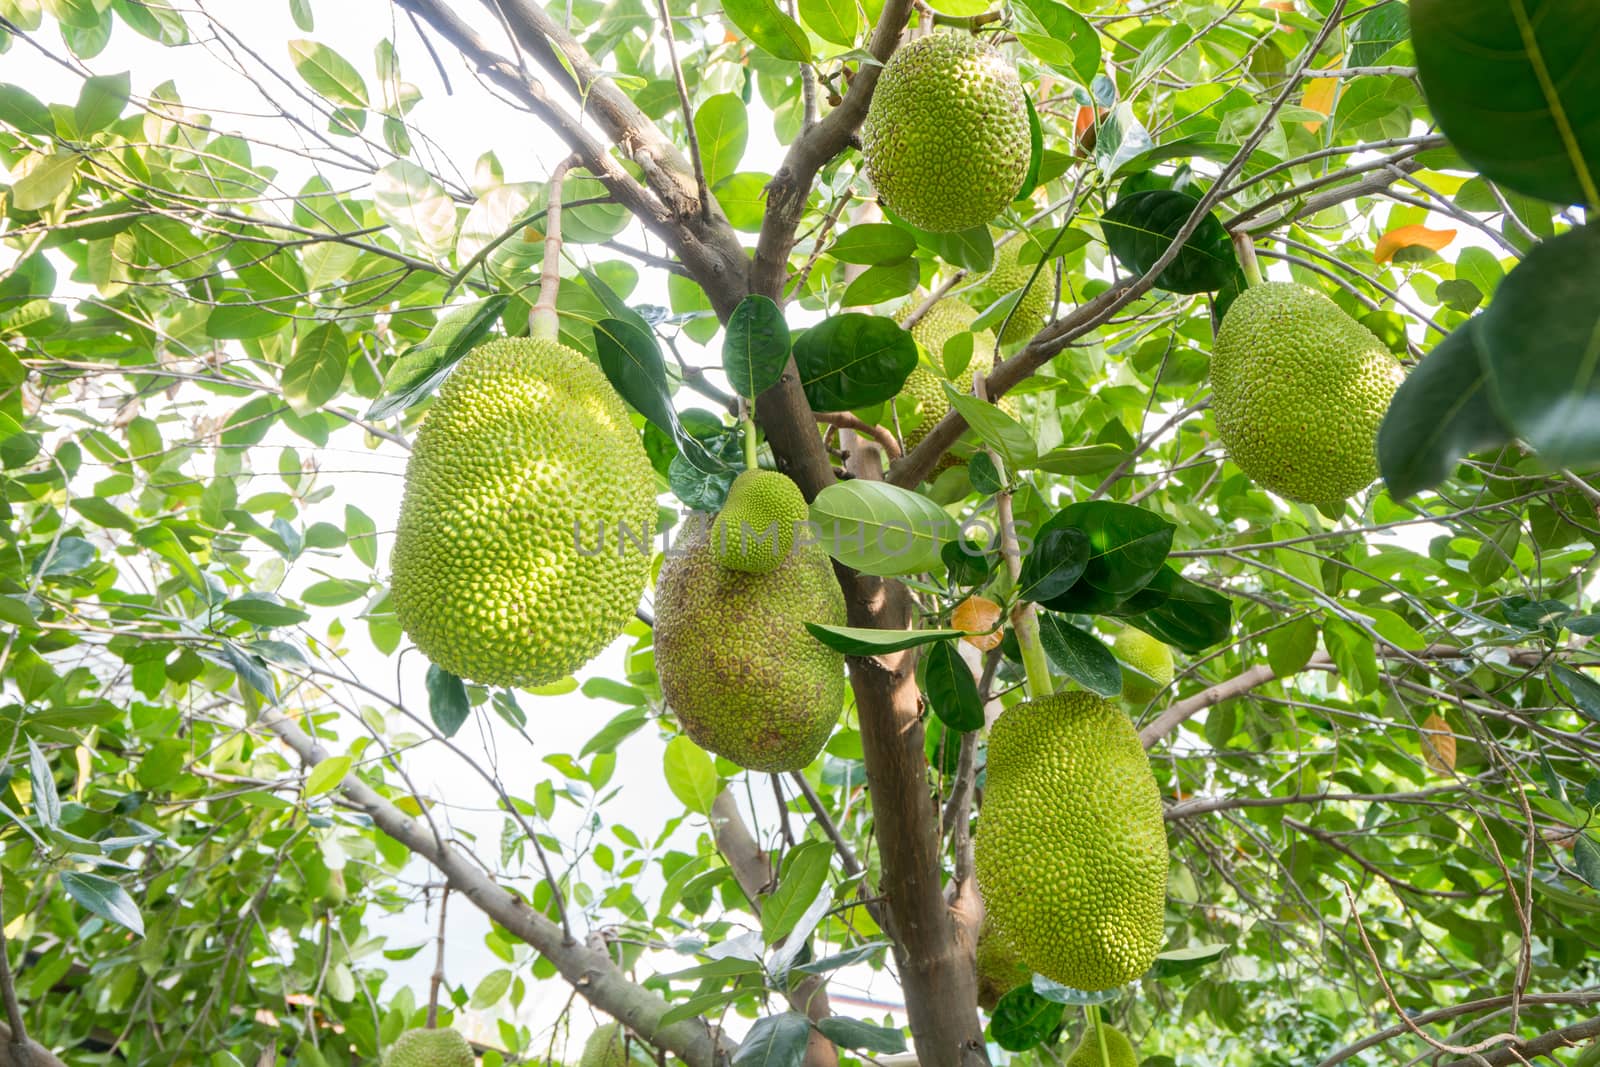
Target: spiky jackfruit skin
{"type": "Point", "coordinates": [1008, 275]}
{"type": "Point", "coordinates": [745, 677]}
{"type": "Point", "coordinates": [946, 136]}
{"type": "Point", "coordinates": [943, 321]}
{"type": "Point", "coordinates": [1071, 848]}
{"type": "Point", "coordinates": [1000, 969]}
{"type": "Point", "coordinates": [1118, 1048]}
{"type": "Point", "coordinates": [430, 1048]}
{"type": "Point", "coordinates": [755, 529]}
{"type": "Point", "coordinates": [606, 1047]}
{"type": "Point", "coordinates": [1298, 389]}
{"type": "Point", "coordinates": [526, 463]}
{"type": "Point", "coordinates": [1146, 655]}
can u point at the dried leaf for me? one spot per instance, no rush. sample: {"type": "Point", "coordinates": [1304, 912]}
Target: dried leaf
{"type": "Point", "coordinates": [1438, 744]}
{"type": "Point", "coordinates": [977, 615]}
{"type": "Point", "coordinates": [1411, 237]}
{"type": "Point", "coordinates": [1321, 93]}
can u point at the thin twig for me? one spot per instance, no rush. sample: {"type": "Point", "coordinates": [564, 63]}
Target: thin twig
{"type": "Point", "coordinates": [436, 982]}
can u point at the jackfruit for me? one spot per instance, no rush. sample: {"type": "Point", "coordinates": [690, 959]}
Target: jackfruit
{"type": "Point", "coordinates": [1000, 969]}
{"type": "Point", "coordinates": [1008, 275]}
{"type": "Point", "coordinates": [1149, 657]}
{"type": "Point", "coordinates": [946, 136]}
{"type": "Point", "coordinates": [754, 532]}
{"type": "Point", "coordinates": [524, 536]}
{"type": "Point", "coordinates": [1119, 1050]}
{"type": "Point", "coordinates": [430, 1048]}
{"type": "Point", "coordinates": [1071, 848]}
{"type": "Point", "coordinates": [606, 1047]}
{"type": "Point", "coordinates": [943, 321]}
{"type": "Point", "coordinates": [745, 677]}
{"type": "Point", "coordinates": [1298, 389]}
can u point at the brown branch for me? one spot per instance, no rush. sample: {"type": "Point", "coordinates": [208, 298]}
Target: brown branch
{"type": "Point", "coordinates": [436, 981]}
{"type": "Point", "coordinates": [587, 968]}
{"type": "Point", "coordinates": [1455, 1011]}
{"type": "Point", "coordinates": [16, 1033]}
{"type": "Point", "coordinates": [849, 421]}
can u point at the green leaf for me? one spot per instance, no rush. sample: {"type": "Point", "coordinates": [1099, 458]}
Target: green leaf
{"type": "Point", "coordinates": [416, 206]}
{"type": "Point", "coordinates": [46, 800]}
{"type": "Point", "coordinates": [300, 11]}
{"type": "Point", "coordinates": [1582, 689]}
{"type": "Point", "coordinates": [1081, 655]}
{"type": "Point", "coordinates": [1054, 564]}
{"type": "Point", "coordinates": [1540, 342]}
{"type": "Point", "coordinates": [805, 872]}
{"type": "Point", "coordinates": [995, 428]}
{"type": "Point", "coordinates": [835, 21]}
{"type": "Point", "coordinates": [853, 1033]}
{"type": "Point", "coordinates": [1057, 35]}
{"type": "Point", "coordinates": [265, 610]}
{"type": "Point", "coordinates": [1140, 227]}
{"type": "Point", "coordinates": [878, 528]}
{"type": "Point", "coordinates": [23, 112]}
{"type": "Point", "coordinates": [1538, 130]}
{"type": "Point", "coordinates": [50, 177]}
{"type": "Point", "coordinates": [105, 898]}
{"type": "Point", "coordinates": [1586, 857]}
{"type": "Point", "coordinates": [755, 348]}
{"type": "Point", "coordinates": [632, 361]}
{"type": "Point", "coordinates": [853, 360]}
{"type": "Point", "coordinates": [491, 989]}
{"type": "Point", "coordinates": [15, 611]}
{"type": "Point", "coordinates": [874, 243]}
{"type": "Point", "coordinates": [331, 592]}
{"type": "Point", "coordinates": [1182, 960]}
{"type": "Point", "coordinates": [362, 533]}
{"type": "Point", "coordinates": [1440, 414]}
{"type": "Point", "coordinates": [770, 29]}
{"type": "Point", "coordinates": [328, 73]}
{"type": "Point", "coordinates": [690, 775]}
{"type": "Point", "coordinates": [100, 102]}
{"type": "Point", "coordinates": [865, 641]}
{"type": "Point", "coordinates": [1023, 1019]}
{"type": "Point", "coordinates": [775, 1041]}
{"type": "Point", "coordinates": [723, 129]}
{"type": "Point", "coordinates": [880, 283]}
{"type": "Point", "coordinates": [420, 369]}
{"type": "Point", "coordinates": [327, 775]}
{"type": "Point", "coordinates": [1379, 31]}
{"type": "Point", "coordinates": [1188, 616]}
{"type": "Point", "coordinates": [447, 700]}
{"type": "Point", "coordinates": [314, 375]}
{"type": "Point", "coordinates": [951, 690]}
{"type": "Point", "coordinates": [1290, 647]}
{"type": "Point", "coordinates": [1127, 546]}
{"type": "Point", "coordinates": [843, 959]}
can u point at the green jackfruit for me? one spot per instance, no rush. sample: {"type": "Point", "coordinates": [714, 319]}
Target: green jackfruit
{"type": "Point", "coordinates": [1118, 1048]}
{"type": "Point", "coordinates": [946, 136]}
{"type": "Point", "coordinates": [1149, 657]}
{"type": "Point", "coordinates": [755, 529]}
{"type": "Point", "coordinates": [430, 1048]}
{"type": "Point", "coordinates": [1071, 848]}
{"type": "Point", "coordinates": [524, 537]}
{"type": "Point", "coordinates": [944, 321]}
{"type": "Point", "coordinates": [745, 677]}
{"type": "Point", "coordinates": [606, 1047]}
{"type": "Point", "coordinates": [1000, 969]}
{"type": "Point", "coordinates": [1008, 275]}
{"type": "Point", "coordinates": [1298, 389]}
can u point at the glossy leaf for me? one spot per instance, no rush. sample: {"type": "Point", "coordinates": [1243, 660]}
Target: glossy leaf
{"type": "Point", "coordinates": [418, 372]}
{"type": "Point", "coordinates": [1080, 655]}
{"type": "Point", "coordinates": [878, 528]}
{"type": "Point", "coordinates": [852, 360]}
{"type": "Point", "coordinates": [1140, 227]}
{"type": "Point", "coordinates": [447, 700]}
{"type": "Point", "coordinates": [755, 348]}
{"type": "Point", "coordinates": [771, 30]}
{"type": "Point", "coordinates": [865, 641]}
{"type": "Point", "coordinates": [1023, 1019]}
{"type": "Point", "coordinates": [951, 690]}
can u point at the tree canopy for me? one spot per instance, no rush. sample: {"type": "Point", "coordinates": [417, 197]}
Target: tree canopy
{"type": "Point", "coordinates": [227, 302]}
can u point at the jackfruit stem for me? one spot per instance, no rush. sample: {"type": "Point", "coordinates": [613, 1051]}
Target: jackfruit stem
{"type": "Point", "coordinates": [543, 323]}
{"type": "Point", "coordinates": [750, 461]}
{"type": "Point", "coordinates": [1100, 1033]}
{"type": "Point", "coordinates": [1024, 616]}
{"type": "Point", "coordinates": [1245, 246]}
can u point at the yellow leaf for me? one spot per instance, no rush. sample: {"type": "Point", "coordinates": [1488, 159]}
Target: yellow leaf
{"type": "Point", "coordinates": [977, 615]}
{"type": "Point", "coordinates": [1438, 744]}
{"type": "Point", "coordinates": [1321, 94]}
{"type": "Point", "coordinates": [1411, 237]}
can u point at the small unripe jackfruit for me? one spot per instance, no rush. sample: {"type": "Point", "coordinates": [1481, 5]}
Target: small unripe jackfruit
{"type": "Point", "coordinates": [1119, 1050]}
{"type": "Point", "coordinates": [1071, 848]}
{"type": "Point", "coordinates": [756, 527]}
{"type": "Point", "coordinates": [430, 1048]}
{"type": "Point", "coordinates": [946, 136]}
{"type": "Point", "coordinates": [1149, 657]}
{"type": "Point", "coordinates": [737, 665]}
{"type": "Point", "coordinates": [606, 1047]}
{"type": "Point", "coordinates": [943, 321]}
{"type": "Point", "coordinates": [1008, 275]}
{"type": "Point", "coordinates": [1000, 969]}
{"type": "Point", "coordinates": [524, 537]}
{"type": "Point", "coordinates": [1298, 389]}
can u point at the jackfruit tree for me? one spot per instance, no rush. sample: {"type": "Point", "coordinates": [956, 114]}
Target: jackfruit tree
{"type": "Point", "coordinates": [799, 534]}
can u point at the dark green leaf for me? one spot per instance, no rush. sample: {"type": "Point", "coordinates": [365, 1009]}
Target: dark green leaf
{"type": "Point", "coordinates": [843, 959]}
{"type": "Point", "coordinates": [1127, 545]}
{"type": "Point", "coordinates": [1054, 564]}
{"type": "Point", "coordinates": [1059, 36]}
{"type": "Point", "coordinates": [46, 799]}
{"type": "Point", "coordinates": [1538, 130]}
{"type": "Point", "coordinates": [805, 872]}
{"type": "Point", "coordinates": [756, 347]}
{"type": "Point", "coordinates": [70, 554]}
{"type": "Point", "coordinates": [1586, 857]}
{"type": "Point", "coordinates": [1140, 226]}
{"type": "Point", "coordinates": [1538, 341]}
{"type": "Point", "coordinates": [984, 475]}
{"type": "Point", "coordinates": [965, 562]}
{"type": "Point", "coordinates": [105, 898]}
{"type": "Point", "coordinates": [1290, 648]}
{"type": "Point", "coordinates": [1584, 690]}
{"type": "Point", "coordinates": [1379, 30]}
{"type": "Point", "coordinates": [775, 1041]}
{"type": "Point", "coordinates": [853, 1033]}
{"type": "Point", "coordinates": [420, 369]}
{"type": "Point", "coordinates": [1082, 656]}
{"type": "Point", "coordinates": [698, 489]}
{"type": "Point", "coordinates": [1023, 1019]}
{"type": "Point", "coordinates": [951, 690]}
{"type": "Point", "coordinates": [1440, 414]}
{"type": "Point", "coordinates": [632, 361]}
{"type": "Point", "coordinates": [447, 700]}
{"type": "Point", "coordinates": [1190, 617]}
{"type": "Point", "coordinates": [1181, 960]}
{"type": "Point", "coordinates": [1030, 180]}
{"type": "Point", "coordinates": [874, 244]}
{"type": "Point", "coordinates": [864, 641]}
{"type": "Point", "coordinates": [250, 670]}
{"type": "Point", "coordinates": [878, 284]}
{"type": "Point", "coordinates": [769, 28]}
